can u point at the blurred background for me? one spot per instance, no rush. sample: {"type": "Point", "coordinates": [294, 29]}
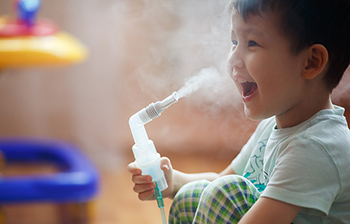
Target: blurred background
{"type": "Point", "coordinates": [139, 51]}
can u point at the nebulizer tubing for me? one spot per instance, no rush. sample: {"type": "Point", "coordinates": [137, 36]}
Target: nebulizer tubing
{"type": "Point", "coordinates": [160, 203]}
{"type": "Point", "coordinates": [146, 156]}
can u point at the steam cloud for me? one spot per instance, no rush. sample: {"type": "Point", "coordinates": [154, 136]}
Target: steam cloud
{"type": "Point", "coordinates": [187, 38]}
{"type": "Point", "coordinates": [207, 77]}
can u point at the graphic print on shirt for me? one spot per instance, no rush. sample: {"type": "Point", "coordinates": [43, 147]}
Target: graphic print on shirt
{"type": "Point", "coordinates": [254, 169]}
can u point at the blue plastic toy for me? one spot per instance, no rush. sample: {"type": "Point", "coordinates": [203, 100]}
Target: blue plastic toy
{"type": "Point", "coordinates": [76, 181]}
{"type": "Point", "coordinates": [27, 10]}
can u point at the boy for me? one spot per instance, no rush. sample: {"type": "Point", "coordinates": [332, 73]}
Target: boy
{"type": "Point", "coordinates": [286, 58]}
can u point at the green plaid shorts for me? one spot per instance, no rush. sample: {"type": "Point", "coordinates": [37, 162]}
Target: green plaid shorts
{"type": "Point", "coordinates": [224, 200]}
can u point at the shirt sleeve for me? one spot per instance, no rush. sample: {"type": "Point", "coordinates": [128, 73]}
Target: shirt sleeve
{"type": "Point", "coordinates": [297, 179]}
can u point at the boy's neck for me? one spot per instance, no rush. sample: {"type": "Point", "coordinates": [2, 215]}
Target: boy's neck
{"type": "Point", "coordinates": [311, 105]}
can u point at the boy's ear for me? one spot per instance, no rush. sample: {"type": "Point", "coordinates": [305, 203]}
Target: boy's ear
{"type": "Point", "coordinates": [316, 61]}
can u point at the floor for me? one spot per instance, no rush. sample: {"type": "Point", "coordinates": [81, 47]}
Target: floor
{"type": "Point", "coordinates": [116, 202]}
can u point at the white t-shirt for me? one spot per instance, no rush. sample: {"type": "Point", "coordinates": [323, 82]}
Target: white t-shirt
{"type": "Point", "coordinates": [307, 165]}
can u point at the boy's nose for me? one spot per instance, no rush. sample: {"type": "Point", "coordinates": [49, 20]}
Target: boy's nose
{"type": "Point", "coordinates": [234, 60]}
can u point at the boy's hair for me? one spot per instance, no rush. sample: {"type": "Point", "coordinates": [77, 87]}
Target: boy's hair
{"type": "Point", "coordinates": [308, 22]}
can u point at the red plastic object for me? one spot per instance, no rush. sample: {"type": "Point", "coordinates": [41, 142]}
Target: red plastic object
{"type": "Point", "coordinates": [14, 28]}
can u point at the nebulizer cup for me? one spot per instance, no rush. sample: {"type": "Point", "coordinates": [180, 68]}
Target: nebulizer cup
{"type": "Point", "coordinates": [148, 160]}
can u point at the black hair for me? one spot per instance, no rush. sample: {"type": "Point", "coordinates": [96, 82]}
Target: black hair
{"type": "Point", "coordinates": [308, 22]}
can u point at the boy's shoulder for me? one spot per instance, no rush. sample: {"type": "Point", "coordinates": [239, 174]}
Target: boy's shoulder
{"type": "Point", "coordinates": [324, 135]}
{"type": "Point", "coordinates": [328, 124]}
{"type": "Point", "coordinates": [322, 122]}
{"type": "Point", "coordinates": [327, 128]}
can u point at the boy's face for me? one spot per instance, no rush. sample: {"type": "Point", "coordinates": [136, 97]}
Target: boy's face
{"type": "Point", "coordinates": [266, 73]}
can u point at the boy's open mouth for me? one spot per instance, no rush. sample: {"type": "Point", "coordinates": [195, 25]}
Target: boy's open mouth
{"type": "Point", "coordinates": [249, 88]}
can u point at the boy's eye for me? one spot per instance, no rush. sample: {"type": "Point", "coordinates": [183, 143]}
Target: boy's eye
{"type": "Point", "coordinates": [234, 42]}
{"type": "Point", "coordinates": [252, 43]}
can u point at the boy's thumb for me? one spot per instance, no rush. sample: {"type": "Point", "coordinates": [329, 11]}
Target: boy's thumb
{"type": "Point", "coordinates": [165, 164]}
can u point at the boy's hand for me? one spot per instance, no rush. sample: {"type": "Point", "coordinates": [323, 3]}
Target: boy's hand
{"type": "Point", "coordinates": [143, 184]}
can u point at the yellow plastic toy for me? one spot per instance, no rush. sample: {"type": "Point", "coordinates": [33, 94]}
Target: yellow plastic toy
{"type": "Point", "coordinates": [25, 41]}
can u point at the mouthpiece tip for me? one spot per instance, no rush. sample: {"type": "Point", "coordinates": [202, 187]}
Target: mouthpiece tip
{"type": "Point", "coordinates": [175, 96]}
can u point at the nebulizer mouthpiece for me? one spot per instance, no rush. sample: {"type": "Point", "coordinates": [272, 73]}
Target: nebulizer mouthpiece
{"type": "Point", "coordinates": [145, 153]}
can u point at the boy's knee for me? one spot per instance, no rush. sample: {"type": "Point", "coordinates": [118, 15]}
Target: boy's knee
{"type": "Point", "coordinates": [226, 200]}
{"type": "Point", "coordinates": [225, 182]}
{"type": "Point", "coordinates": [230, 188]}
{"type": "Point", "coordinates": [186, 201]}
{"type": "Point", "coordinates": [191, 190]}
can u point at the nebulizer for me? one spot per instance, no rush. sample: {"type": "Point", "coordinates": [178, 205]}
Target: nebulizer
{"type": "Point", "coordinates": [146, 156]}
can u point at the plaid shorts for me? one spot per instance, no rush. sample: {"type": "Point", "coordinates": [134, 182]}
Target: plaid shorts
{"type": "Point", "coordinates": [224, 200]}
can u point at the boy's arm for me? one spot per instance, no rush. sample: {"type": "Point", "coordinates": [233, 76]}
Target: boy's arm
{"type": "Point", "coordinates": [268, 211]}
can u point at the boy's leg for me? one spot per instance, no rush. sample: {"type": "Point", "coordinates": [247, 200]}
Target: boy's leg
{"type": "Point", "coordinates": [186, 201]}
{"type": "Point", "coordinates": [226, 200]}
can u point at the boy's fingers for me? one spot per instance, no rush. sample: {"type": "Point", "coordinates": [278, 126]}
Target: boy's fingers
{"type": "Point", "coordinates": [139, 179]}
{"type": "Point", "coordinates": [147, 195]}
{"type": "Point", "coordinates": [133, 169]}
{"type": "Point", "coordinates": [165, 164]}
{"type": "Point", "coordinates": [141, 188]}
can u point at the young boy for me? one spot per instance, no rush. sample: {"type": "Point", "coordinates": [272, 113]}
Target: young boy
{"type": "Point", "coordinates": [286, 58]}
